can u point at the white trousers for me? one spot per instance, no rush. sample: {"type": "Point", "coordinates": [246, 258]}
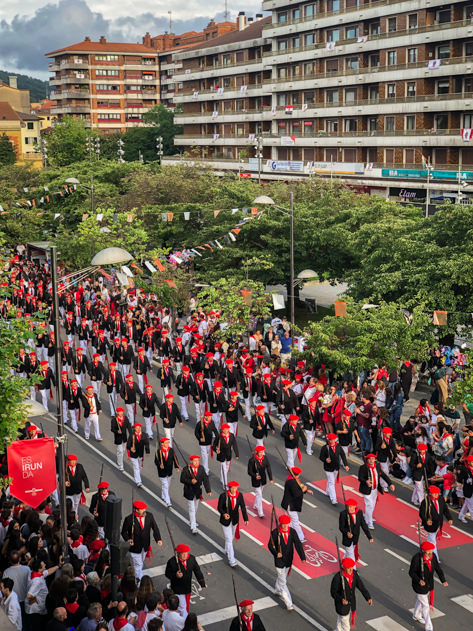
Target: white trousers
{"type": "Point", "coordinates": [283, 419]}
{"type": "Point", "coordinates": [192, 507]}
{"type": "Point", "coordinates": [294, 515]}
{"type": "Point", "coordinates": [141, 382]}
{"type": "Point", "coordinates": [137, 560]}
{"type": "Point", "coordinates": [65, 410]}
{"type": "Point", "coordinates": [112, 400]}
{"type": "Point", "coordinates": [260, 442]}
{"type": "Point", "coordinates": [258, 503]}
{"type": "Point", "coordinates": [130, 412]}
{"type": "Point", "coordinates": [80, 379]}
{"type": "Point", "coordinates": [83, 345]}
{"type": "Point", "coordinates": [44, 397]}
{"type": "Point", "coordinates": [234, 428]}
{"type": "Point", "coordinates": [418, 492]}
{"type": "Point", "coordinates": [281, 587]}
{"type": "Point", "coordinates": [224, 467]}
{"type": "Point", "coordinates": [165, 484]}
{"type": "Point", "coordinates": [432, 538]}
{"type": "Point", "coordinates": [199, 410]}
{"type": "Point", "coordinates": [422, 610]}
{"type": "Point", "coordinates": [125, 369]}
{"type": "Point", "coordinates": [248, 404]}
{"type": "Point", "coordinates": [92, 419]}
{"type": "Point", "coordinates": [331, 480]}
{"type": "Point", "coordinates": [370, 503]}
{"type": "Point", "coordinates": [148, 425]}
{"type": "Point", "coordinates": [343, 622]}
{"type": "Point", "coordinates": [384, 466]}
{"type": "Point", "coordinates": [350, 551]}
{"type": "Point", "coordinates": [149, 355]}
{"type": "Point", "coordinates": [291, 456]}
{"type": "Point", "coordinates": [310, 440]}
{"type": "Point", "coordinates": [74, 415]}
{"type": "Point", "coordinates": [229, 533]}
{"type": "Point", "coordinates": [137, 464]}
{"type": "Point", "coordinates": [75, 501]}
{"type": "Point", "coordinates": [169, 433]}
{"type": "Point", "coordinates": [204, 457]}
{"type": "Point", "coordinates": [184, 412]}
{"type": "Point", "coordinates": [120, 453]}
{"type": "Point", "coordinates": [467, 507]}
{"type": "Point", "coordinates": [96, 385]}
{"type": "Point", "coordinates": [217, 419]}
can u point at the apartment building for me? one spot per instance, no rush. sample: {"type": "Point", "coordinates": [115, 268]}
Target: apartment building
{"type": "Point", "coordinates": [381, 83]}
{"type": "Point", "coordinates": [23, 131]}
{"type": "Point", "coordinates": [109, 85]}
{"type": "Point", "coordinates": [222, 89]}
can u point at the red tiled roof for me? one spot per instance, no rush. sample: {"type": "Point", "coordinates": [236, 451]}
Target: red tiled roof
{"type": "Point", "coordinates": [252, 31]}
{"type": "Point", "coordinates": [8, 113]}
{"type": "Point", "coordinates": [88, 46]}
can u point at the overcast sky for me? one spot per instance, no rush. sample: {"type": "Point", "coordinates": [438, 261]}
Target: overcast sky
{"type": "Point", "coordinates": [39, 27]}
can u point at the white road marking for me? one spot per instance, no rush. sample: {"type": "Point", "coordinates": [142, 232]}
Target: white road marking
{"type": "Point", "coordinates": [359, 560]}
{"type": "Point", "coordinates": [385, 623]}
{"type": "Point", "coordinates": [406, 561]}
{"type": "Point", "coordinates": [204, 559]}
{"type": "Point", "coordinates": [434, 613]}
{"type": "Point", "coordinates": [407, 503]}
{"type": "Point", "coordinates": [226, 613]}
{"type": "Point", "coordinates": [462, 531]}
{"type": "Point", "coordinates": [306, 527]}
{"type": "Point", "coordinates": [247, 534]}
{"type": "Point", "coordinates": [414, 543]}
{"type": "Point", "coordinates": [306, 501]}
{"type": "Point", "coordinates": [465, 601]}
{"type": "Point", "coordinates": [296, 569]}
{"type": "Point", "coordinates": [250, 512]}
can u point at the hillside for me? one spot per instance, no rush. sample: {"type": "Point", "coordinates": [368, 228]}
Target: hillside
{"type": "Point", "coordinates": [36, 87]}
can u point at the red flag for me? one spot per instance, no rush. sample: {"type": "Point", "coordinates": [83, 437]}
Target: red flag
{"type": "Point", "coordinates": [171, 283]}
{"type": "Point", "coordinates": [340, 308]}
{"type": "Point", "coordinates": [440, 318]}
{"type": "Point", "coordinates": [207, 245]}
{"type": "Point", "coordinates": [236, 230]}
{"type": "Point", "coordinates": [29, 466]}
{"type": "Point", "coordinates": [159, 265]}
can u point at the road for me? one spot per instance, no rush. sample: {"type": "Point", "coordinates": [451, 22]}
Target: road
{"type": "Point", "coordinates": [385, 563]}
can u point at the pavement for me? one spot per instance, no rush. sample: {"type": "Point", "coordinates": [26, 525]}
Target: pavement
{"type": "Point", "coordinates": [384, 566]}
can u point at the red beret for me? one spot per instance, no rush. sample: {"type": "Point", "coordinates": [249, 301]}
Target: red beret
{"type": "Point", "coordinates": [427, 546]}
{"type": "Point", "coordinates": [260, 448]}
{"type": "Point", "coordinates": [347, 563]}
{"type": "Point", "coordinates": [296, 470]}
{"type": "Point", "coordinates": [284, 519]}
{"type": "Point", "coordinates": [194, 457]}
{"type": "Point", "coordinates": [140, 505]}
{"type": "Point", "coordinates": [103, 485]}
{"type": "Point", "coordinates": [182, 547]}
{"type": "Point", "coordinates": [72, 457]}
{"type": "Point", "coordinates": [351, 502]}
{"type": "Point", "coordinates": [233, 483]}
{"type": "Point", "coordinates": [434, 489]}
{"type": "Point", "coordinates": [422, 447]}
{"type": "Point", "coordinates": [246, 603]}
{"type": "Point", "coordinates": [331, 437]}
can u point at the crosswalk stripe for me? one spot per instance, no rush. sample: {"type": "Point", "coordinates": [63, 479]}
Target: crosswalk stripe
{"type": "Point", "coordinates": [226, 613]}
{"type": "Point", "coordinates": [385, 623]}
{"type": "Point", "coordinates": [465, 601]}
{"type": "Point", "coordinates": [434, 613]}
{"type": "Point", "coordinates": [204, 559]}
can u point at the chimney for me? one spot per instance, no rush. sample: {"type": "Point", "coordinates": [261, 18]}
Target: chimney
{"type": "Point", "coordinates": [241, 20]}
{"type": "Point", "coordinates": [250, 20]}
{"type": "Point", "coordinates": [147, 40]}
{"type": "Point", "coordinates": [102, 40]}
{"type": "Point", "coordinates": [259, 16]}
{"type": "Point", "coordinates": [13, 81]}
{"type": "Point", "coordinates": [87, 39]}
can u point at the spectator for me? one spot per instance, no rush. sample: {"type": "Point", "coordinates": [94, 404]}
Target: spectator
{"type": "Point", "coordinates": [192, 624]}
{"type": "Point", "coordinates": [92, 590]}
{"type": "Point", "coordinates": [20, 575]}
{"type": "Point", "coordinates": [363, 420]}
{"type": "Point", "coordinates": [120, 622]}
{"type": "Point", "coordinates": [10, 603]}
{"type": "Point", "coordinates": [94, 615]}
{"type": "Point", "coordinates": [57, 623]}
{"type": "Point", "coordinates": [286, 346]}
{"type": "Point", "coordinates": [172, 621]}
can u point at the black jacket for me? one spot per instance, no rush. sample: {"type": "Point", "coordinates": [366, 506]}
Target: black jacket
{"type": "Point", "coordinates": [297, 433]}
{"type": "Point", "coordinates": [419, 571]}
{"type": "Point", "coordinates": [130, 394]}
{"type": "Point", "coordinates": [117, 386]}
{"type": "Point", "coordinates": [465, 477]}
{"type": "Point", "coordinates": [149, 404]}
{"type": "Point", "coordinates": [205, 433]}
{"type": "Point", "coordinates": [194, 491]}
{"type": "Point", "coordinates": [386, 453]}
{"type": "Point", "coordinates": [334, 455]}
{"type": "Point", "coordinates": [200, 392]}
{"type": "Point", "coordinates": [261, 428]}
{"type": "Point", "coordinates": [169, 417]}
{"type": "Point", "coordinates": [224, 448]}
{"type": "Point", "coordinates": [338, 594]}
{"type": "Point", "coordinates": [287, 402]}
{"type": "Point", "coordinates": [261, 469]}
{"type": "Point", "coordinates": [276, 544]}
{"type": "Point", "coordinates": [86, 405]}
{"type": "Point", "coordinates": [225, 508]}
{"type": "Point", "coordinates": [346, 525]}
{"type": "Point", "coordinates": [364, 475]}
{"type": "Point", "coordinates": [120, 432]}
{"type": "Point", "coordinates": [165, 465]}
{"type": "Point", "coordinates": [428, 512]}
{"type": "Point", "coordinates": [183, 585]}
{"type": "Point", "coordinates": [293, 495]}
{"type": "Point", "coordinates": [184, 386]}
{"type": "Point", "coordinates": [237, 624]}
{"type": "Point", "coordinates": [417, 473]}
{"type": "Point", "coordinates": [131, 529]}
{"type": "Point", "coordinates": [77, 480]}
{"type": "Point", "coordinates": [137, 448]}
{"type": "Point", "coordinates": [97, 504]}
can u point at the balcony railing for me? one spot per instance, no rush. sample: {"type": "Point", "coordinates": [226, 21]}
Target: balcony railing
{"type": "Point", "coordinates": [339, 134]}
{"type": "Point", "coordinates": [198, 68]}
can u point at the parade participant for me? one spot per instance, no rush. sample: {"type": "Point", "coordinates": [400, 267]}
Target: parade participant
{"type": "Point", "coordinates": [210, 370]}
{"type": "Point", "coordinates": [232, 410]}
{"type": "Point", "coordinates": [185, 387]}
{"type": "Point", "coordinates": [200, 395]}
{"type": "Point", "coordinates": [465, 477]}
{"type": "Point", "coordinates": [286, 402]}
{"type": "Point", "coordinates": [343, 593]}
{"type": "Point", "coordinates": [84, 334]}
{"type": "Point", "coordinates": [80, 365]}
{"type": "Point", "coordinates": [164, 347]}
{"type": "Point", "coordinates": [283, 540]}
{"type": "Point", "coordinates": [230, 503]}
{"type": "Point", "coordinates": [130, 393]}
{"type": "Point", "coordinates": [330, 455]}
{"type": "Point", "coordinates": [259, 470]}
{"type": "Point", "coordinates": [137, 445]}
{"type": "Point", "coordinates": [98, 506]}
{"type": "Point", "coordinates": [230, 376]}
{"type": "Point", "coordinates": [292, 432]}
{"type": "Point", "coordinates": [432, 511]}
{"type": "Point", "coordinates": [294, 491]}
{"type": "Point", "coordinates": [125, 356]}
{"type": "Point", "coordinates": [169, 413]}
{"type": "Point", "coordinates": [92, 409]}
{"type": "Point", "coordinates": [206, 432]}
{"type": "Point", "coordinates": [114, 385]}
{"type": "Point", "coordinates": [261, 424]}
{"type": "Point", "coordinates": [423, 566]}
{"type": "Point", "coordinates": [310, 420]}
{"type": "Point", "coordinates": [97, 373]}
{"type": "Point", "coordinates": [32, 367]}
{"type": "Point", "coordinates": [369, 475]}
{"type": "Point", "coordinates": [70, 327]}
{"type": "Point", "coordinates": [148, 404]}
{"type": "Point", "coordinates": [385, 448]}
{"type": "Point", "coordinates": [66, 394]}
{"type": "Point", "coordinates": [142, 366]}
{"type": "Point", "coordinates": [46, 379]}
{"type": "Point", "coordinates": [76, 480]}
{"type": "Point", "coordinates": [350, 524]}
{"type": "Point", "coordinates": [247, 620]}
{"type": "Point", "coordinates": [67, 356]}
{"type": "Point", "coordinates": [422, 466]}
{"type": "Point", "coordinates": [178, 355]}
{"type": "Point", "coordinates": [223, 445]}
{"type": "Point", "coordinates": [33, 433]}
{"type": "Point", "coordinates": [345, 429]}
{"type": "Point", "coordinates": [165, 460]}
{"type": "Point", "coordinates": [136, 530]}
{"type": "Point", "coordinates": [73, 404]}
{"type": "Point", "coordinates": [166, 377]}
{"type": "Point", "coordinates": [193, 476]}
{"type": "Point", "coordinates": [179, 570]}
{"type": "Point", "coordinates": [148, 343]}
{"type": "Point", "coordinates": [100, 345]}
{"type": "Point", "coordinates": [266, 391]}
{"type": "Point", "coordinates": [121, 430]}
{"type": "Point", "coordinates": [248, 389]}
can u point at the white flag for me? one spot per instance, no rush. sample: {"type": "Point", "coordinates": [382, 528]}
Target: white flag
{"type": "Point", "coordinates": [330, 46]}
{"type": "Point", "coordinates": [219, 244]}
{"type": "Point", "coordinates": [235, 210]}
{"type": "Point", "coordinates": [214, 114]}
{"type": "Point", "coordinates": [195, 94]}
{"type": "Point", "coordinates": [434, 64]}
{"type": "Point", "coordinates": [467, 134]}
{"type": "Point", "coordinates": [362, 38]}
{"type": "Point", "coordinates": [216, 136]}
{"type": "Point", "coordinates": [99, 217]}
{"type": "Point", "coordinates": [187, 216]}
{"type": "Point", "coordinates": [151, 267]}
{"type": "Point", "coordinates": [232, 236]}
{"type": "Point", "coordinates": [304, 107]}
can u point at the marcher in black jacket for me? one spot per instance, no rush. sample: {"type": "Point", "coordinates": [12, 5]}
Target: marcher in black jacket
{"type": "Point", "coordinates": [343, 593]}
{"type": "Point", "coordinates": [294, 491]}
{"type": "Point", "coordinates": [350, 524]}
{"type": "Point", "coordinates": [223, 445]}
{"type": "Point", "coordinates": [98, 505]}
{"type": "Point", "coordinates": [206, 433]}
{"type": "Point", "coordinates": [247, 615]}
{"type": "Point", "coordinates": [121, 429]}
{"type": "Point", "coordinates": [230, 503]}
{"type": "Point", "coordinates": [330, 455]}
{"type": "Point", "coordinates": [423, 467]}
{"type": "Point", "coordinates": [369, 475]}
{"type": "Point", "coordinates": [292, 433]}
{"type": "Point", "coordinates": [423, 566]}
{"type": "Point", "coordinates": [261, 424]}
{"type": "Point", "coordinates": [179, 570]}
{"type": "Point", "coordinates": [282, 542]}
{"type": "Point", "coordinates": [76, 480]}
{"type": "Point", "coordinates": [259, 470]}
{"type": "Point", "coordinates": [136, 530]}
{"type": "Point", "coordinates": [432, 511]}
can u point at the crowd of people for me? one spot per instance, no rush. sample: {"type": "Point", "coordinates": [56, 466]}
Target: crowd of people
{"type": "Point", "coordinates": [111, 343]}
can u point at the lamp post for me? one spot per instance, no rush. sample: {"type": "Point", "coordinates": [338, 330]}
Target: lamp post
{"type": "Point", "coordinates": [265, 200]}
{"type": "Point", "coordinates": [109, 256]}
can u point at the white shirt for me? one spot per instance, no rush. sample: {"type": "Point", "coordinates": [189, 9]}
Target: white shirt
{"type": "Point", "coordinates": [172, 621]}
{"type": "Point", "coordinates": [127, 627]}
{"type": "Point", "coordinates": [11, 606]}
{"type": "Point", "coordinates": [37, 587]}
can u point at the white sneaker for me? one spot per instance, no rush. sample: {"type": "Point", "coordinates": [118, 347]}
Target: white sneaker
{"type": "Point", "coordinates": [464, 520]}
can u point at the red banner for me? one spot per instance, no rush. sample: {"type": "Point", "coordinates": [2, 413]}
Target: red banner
{"type": "Point", "coordinates": [30, 465]}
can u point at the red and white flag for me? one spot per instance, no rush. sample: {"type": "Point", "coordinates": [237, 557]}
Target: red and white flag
{"type": "Point", "coordinates": [467, 134]}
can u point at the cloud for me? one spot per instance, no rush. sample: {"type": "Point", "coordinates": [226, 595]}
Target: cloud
{"type": "Point", "coordinates": [24, 39]}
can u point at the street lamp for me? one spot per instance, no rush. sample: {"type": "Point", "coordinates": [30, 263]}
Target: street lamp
{"type": "Point", "coordinates": [109, 256]}
{"type": "Point", "coordinates": [268, 201]}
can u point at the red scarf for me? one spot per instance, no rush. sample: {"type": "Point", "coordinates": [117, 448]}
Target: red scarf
{"type": "Point", "coordinates": [36, 575]}
{"type": "Point", "coordinates": [77, 543]}
{"type": "Point", "coordinates": [285, 534]}
{"type": "Point", "coordinates": [71, 607]}
{"type": "Point", "coordinates": [248, 621]}
{"type": "Point", "coordinates": [141, 519]}
{"type": "Point", "coordinates": [373, 474]}
{"type": "Point", "coordinates": [118, 623]}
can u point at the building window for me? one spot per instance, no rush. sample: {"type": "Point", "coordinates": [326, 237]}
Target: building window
{"type": "Point", "coordinates": [296, 14]}
{"type": "Point", "coordinates": [443, 87]}
{"type": "Point", "coordinates": [389, 156]}
{"type": "Point", "coordinates": [351, 124]}
{"type": "Point", "coordinates": [309, 98]}
{"type": "Point", "coordinates": [333, 6]}
{"type": "Point", "coordinates": [392, 25]}
{"type": "Point", "coordinates": [331, 125]}
{"type": "Point", "coordinates": [351, 4]}
{"type": "Point", "coordinates": [443, 16]}
{"type": "Point", "coordinates": [351, 32]}
{"type": "Point", "coordinates": [282, 44]}
{"type": "Point", "coordinates": [331, 65]}
{"type": "Point", "coordinates": [352, 63]}
{"type": "Point", "coordinates": [350, 96]}
{"type": "Point", "coordinates": [309, 10]}
{"type": "Point", "coordinates": [282, 73]}
{"type": "Point", "coordinates": [308, 69]}
{"type": "Point", "coordinates": [331, 96]}
{"type": "Point", "coordinates": [282, 17]}
{"type": "Point", "coordinates": [309, 39]}
{"type": "Point", "coordinates": [30, 125]}
{"type": "Point", "coordinates": [375, 28]}
{"type": "Point", "coordinates": [412, 55]}
{"type": "Point", "coordinates": [374, 60]}
{"type": "Point", "coordinates": [443, 52]}
{"type": "Point", "coordinates": [296, 42]}
{"type": "Point", "coordinates": [468, 49]}
{"type": "Point", "coordinates": [389, 123]}
{"type": "Point", "coordinates": [467, 121]}
{"type": "Point", "coordinates": [226, 82]}
{"type": "Point", "coordinates": [412, 20]}
{"type": "Point", "coordinates": [409, 156]}
{"type": "Point", "coordinates": [333, 35]}
{"type": "Point", "coordinates": [282, 99]}
{"type": "Point", "coordinates": [106, 57]}
{"type": "Point", "coordinates": [374, 93]}
{"type": "Point", "coordinates": [373, 123]}
{"type": "Point", "coordinates": [441, 121]}
{"type": "Point", "coordinates": [391, 91]}
{"type": "Point", "coordinates": [410, 122]}
{"type": "Point", "coordinates": [392, 57]}
{"type": "Point", "coordinates": [411, 89]}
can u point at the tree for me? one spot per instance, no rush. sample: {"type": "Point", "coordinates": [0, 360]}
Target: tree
{"type": "Point", "coordinates": [67, 142]}
{"type": "Point", "coordinates": [463, 388]}
{"type": "Point", "coordinates": [7, 151]}
{"type": "Point", "coordinates": [239, 303]}
{"type": "Point", "coordinates": [365, 337]}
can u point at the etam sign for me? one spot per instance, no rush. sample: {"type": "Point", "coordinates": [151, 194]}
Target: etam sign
{"type": "Point", "coordinates": [33, 478]}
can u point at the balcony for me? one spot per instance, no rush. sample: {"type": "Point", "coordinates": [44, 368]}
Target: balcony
{"type": "Point", "coordinates": [71, 109]}
{"type": "Point", "coordinates": [71, 94]}
{"type": "Point", "coordinates": [214, 70]}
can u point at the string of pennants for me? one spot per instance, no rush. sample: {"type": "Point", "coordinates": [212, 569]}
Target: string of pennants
{"type": "Point", "coordinates": [439, 317]}
{"type": "Point", "coordinates": [36, 202]}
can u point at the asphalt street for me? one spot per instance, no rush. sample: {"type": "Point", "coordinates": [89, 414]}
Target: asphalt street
{"type": "Point", "coordinates": [385, 563]}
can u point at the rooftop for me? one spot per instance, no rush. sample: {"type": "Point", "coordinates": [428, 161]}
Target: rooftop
{"type": "Point", "coordinates": [252, 31]}
{"type": "Point", "coordinates": [102, 46]}
{"type": "Point", "coordinates": [8, 113]}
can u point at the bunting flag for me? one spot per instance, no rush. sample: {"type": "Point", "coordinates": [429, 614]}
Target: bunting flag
{"type": "Point", "coordinates": [171, 284]}
{"type": "Point", "coordinates": [170, 216]}
{"type": "Point", "coordinates": [246, 293]}
{"type": "Point", "coordinates": [6, 207]}
{"type": "Point", "coordinates": [236, 230]}
{"type": "Point", "coordinates": [340, 308]}
{"type": "Point", "coordinates": [84, 216]}
{"type": "Point", "coordinates": [159, 265]}
{"type": "Point", "coordinates": [129, 217]}
{"type": "Point", "coordinates": [216, 212]}
{"type": "Point", "coordinates": [104, 273]}
{"type": "Point", "coordinates": [138, 269]}
{"type": "Point", "coordinates": [440, 318]}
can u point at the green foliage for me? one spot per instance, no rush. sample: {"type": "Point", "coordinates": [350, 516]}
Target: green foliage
{"type": "Point", "coordinates": [67, 142]}
{"type": "Point", "coordinates": [7, 152]}
{"type": "Point", "coordinates": [366, 337]}
{"type": "Point", "coordinates": [237, 310]}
